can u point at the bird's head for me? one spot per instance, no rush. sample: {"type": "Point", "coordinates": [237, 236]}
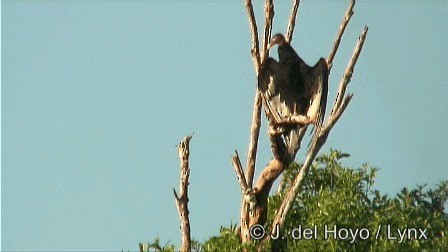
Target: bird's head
{"type": "Point", "coordinates": [277, 39]}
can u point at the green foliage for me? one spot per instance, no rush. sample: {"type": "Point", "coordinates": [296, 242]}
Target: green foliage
{"type": "Point", "coordinates": [336, 195]}
{"type": "Point", "coordinates": [333, 195]}
{"type": "Point", "coordinates": [227, 240]}
{"type": "Point", "coordinates": [156, 246]}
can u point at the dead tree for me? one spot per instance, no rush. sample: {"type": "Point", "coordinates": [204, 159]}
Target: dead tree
{"type": "Point", "coordinates": [182, 199]}
{"type": "Point", "coordinates": [254, 202]}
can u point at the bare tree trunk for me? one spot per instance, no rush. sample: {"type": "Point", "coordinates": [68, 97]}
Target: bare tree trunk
{"type": "Point", "coordinates": [182, 199]}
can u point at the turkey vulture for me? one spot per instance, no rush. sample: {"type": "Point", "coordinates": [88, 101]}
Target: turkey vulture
{"type": "Point", "coordinates": [294, 94]}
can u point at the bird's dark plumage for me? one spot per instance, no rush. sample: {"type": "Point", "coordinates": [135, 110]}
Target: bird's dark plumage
{"type": "Point", "coordinates": [292, 89]}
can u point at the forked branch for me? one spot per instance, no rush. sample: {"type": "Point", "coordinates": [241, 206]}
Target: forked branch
{"type": "Point", "coordinates": [349, 71]}
{"type": "Point", "coordinates": [256, 115]}
{"type": "Point", "coordinates": [182, 199]}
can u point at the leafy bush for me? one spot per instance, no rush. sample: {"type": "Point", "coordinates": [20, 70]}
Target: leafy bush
{"type": "Point", "coordinates": [334, 197]}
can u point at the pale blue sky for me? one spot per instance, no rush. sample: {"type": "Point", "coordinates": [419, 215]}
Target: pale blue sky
{"type": "Point", "coordinates": [95, 97]}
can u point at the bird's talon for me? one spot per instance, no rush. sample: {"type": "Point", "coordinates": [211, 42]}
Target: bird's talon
{"type": "Point", "coordinates": [273, 131]}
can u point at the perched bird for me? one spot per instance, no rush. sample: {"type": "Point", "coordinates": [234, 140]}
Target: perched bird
{"type": "Point", "coordinates": [294, 94]}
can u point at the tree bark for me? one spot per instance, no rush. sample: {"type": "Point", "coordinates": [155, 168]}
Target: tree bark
{"type": "Point", "coordinates": [182, 199]}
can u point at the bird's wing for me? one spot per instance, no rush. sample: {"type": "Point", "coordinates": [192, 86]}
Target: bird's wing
{"type": "Point", "coordinates": [278, 101]}
{"type": "Point", "coordinates": [318, 91]}
{"type": "Point", "coordinates": [268, 86]}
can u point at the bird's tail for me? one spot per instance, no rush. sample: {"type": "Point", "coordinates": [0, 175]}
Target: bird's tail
{"type": "Point", "coordinates": [293, 138]}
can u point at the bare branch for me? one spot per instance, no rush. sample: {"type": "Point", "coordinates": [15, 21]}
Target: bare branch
{"type": "Point", "coordinates": [254, 32]}
{"type": "Point", "coordinates": [256, 115]}
{"type": "Point", "coordinates": [341, 110]}
{"type": "Point", "coordinates": [239, 172]}
{"type": "Point", "coordinates": [296, 119]}
{"type": "Point", "coordinates": [292, 21]}
{"type": "Point", "coordinates": [269, 174]}
{"type": "Point", "coordinates": [334, 119]}
{"type": "Point", "coordinates": [337, 41]}
{"type": "Point", "coordinates": [254, 134]}
{"type": "Point", "coordinates": [255, 126]}
{"type": "Point", "coordinates": [349, 71]}
{"type": "Point", "coordinates": [294, 190]}
{"type": "Point", "coordinates": [251, 158]}
{"type": "Point", "coordinates": [262, 188]}
{"type": "Point", "coordinates": [182, 199]}
{"type": "Point", "coordinates": [269, 14]}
